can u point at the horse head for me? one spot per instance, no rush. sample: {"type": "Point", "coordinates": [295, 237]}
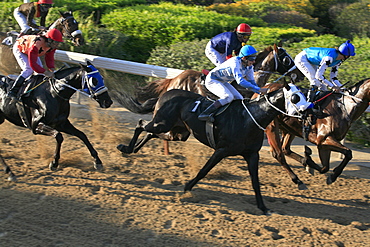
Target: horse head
{"type": "Point", "coordinates": [275, 60]}
{"type": "Point", "coordinates": [87, 80]}
{"type": "Point", "coordinates": [68, 25]}
{"type": "Point", "coordinates": [93, 85]}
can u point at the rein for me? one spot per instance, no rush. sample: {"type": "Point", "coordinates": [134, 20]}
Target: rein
{"type": "Point", "coordinates": [274, 107]}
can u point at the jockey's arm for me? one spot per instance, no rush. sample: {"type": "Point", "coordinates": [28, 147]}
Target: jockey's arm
{"type": "Point", "coordinates": [32, 59]}
{"type": "Point", "coordinates": [248, 81]}
{"type": "Point", "coordinates": [325, 62]}
{"type": "Point", "coordinates": [49, 59]}
{"type": "Point", "coordinates": [43, 19]}
{"type": "Point", "coordinates": [30, 17]}
{"type": "Point", "coordinates": [333, 75]}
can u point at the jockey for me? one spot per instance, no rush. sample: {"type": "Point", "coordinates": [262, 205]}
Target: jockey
{"type": "Point", "coordinates": [26, 12]}
{"type": "Point", "coordinates": [313, 62]}
{"type": "Point", "coordinates": [218, 80]}
{"type": "Point", "coordinates": [28, 49]}
{"type": "Point", "coordinates": [221, 47]}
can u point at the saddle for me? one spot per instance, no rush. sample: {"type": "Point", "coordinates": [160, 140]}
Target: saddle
{"type": "Point", "coordinates": [24, 92]}
{"type": "Point", "coordinates": [10, 39]}
{"type": "Point", "coordinates": [199, 106]}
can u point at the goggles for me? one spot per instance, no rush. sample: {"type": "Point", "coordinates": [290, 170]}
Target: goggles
{"type": "Point", "coordinates": [251, 58]}
{"type": "Point", "coordinates": [244, 35]}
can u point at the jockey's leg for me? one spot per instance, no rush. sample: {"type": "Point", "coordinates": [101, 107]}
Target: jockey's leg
{"type": "Point", "coordinates": [13, 92]}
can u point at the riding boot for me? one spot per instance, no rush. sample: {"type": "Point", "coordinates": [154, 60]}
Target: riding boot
{"type": "Point", "coordinates": [13, 92]}
{"type": "Point", "coordinates": [207, 114]}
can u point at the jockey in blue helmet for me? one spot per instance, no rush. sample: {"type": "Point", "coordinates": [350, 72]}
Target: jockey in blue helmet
{"type": "Point", "coordinates": [240, 69]}
{"type": "Point", "coordinates": [313, 62]}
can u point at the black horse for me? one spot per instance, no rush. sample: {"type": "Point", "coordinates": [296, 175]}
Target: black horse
{"type": "Point", "coordinates": [238, 130]}
{"type": "Point", "coordinates": [45, 107]}
{"type": "Point", "coordinates": [66, 24]}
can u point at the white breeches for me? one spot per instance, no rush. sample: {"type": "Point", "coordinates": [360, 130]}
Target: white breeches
{"type": "Point", "coordinates": [22, 20]}
{"type": "Point", "coordinates": [308, 69]}
{"type": "Point", "coordinates": [224, 90]}
{"type": "Point", "coordinates": [214, 56]}
{"type": "Point", "coordinates": [23, 62]}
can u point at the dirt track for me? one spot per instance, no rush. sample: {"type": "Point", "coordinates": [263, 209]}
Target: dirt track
{"type": "Point", "coordinates": [137, 200]}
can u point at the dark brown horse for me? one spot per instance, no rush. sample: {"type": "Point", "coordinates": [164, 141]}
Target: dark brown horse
{"type": "Point", "coordinates": [66, 24]}
{"type": "Point", "coordinates": [238, 130]}
{"type": "Point", "coordinates": [272, 60]}
{"type": "Point", "coordinates": [45, 109]}
{"type": "Point", "coordinates": [342, 110]}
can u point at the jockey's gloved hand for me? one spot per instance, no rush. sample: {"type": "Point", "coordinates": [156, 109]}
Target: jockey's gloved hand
{"type": "Point", "coordinates": [49, 74]}
{"type": "Point", "coordinates": [263, 91]}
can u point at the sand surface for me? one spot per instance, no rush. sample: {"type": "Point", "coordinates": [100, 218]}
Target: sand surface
{"type": "Point", "coordinates": [138, 200]}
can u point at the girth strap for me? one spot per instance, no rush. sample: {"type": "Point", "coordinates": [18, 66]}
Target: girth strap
{"type": "Point", "coordinates": [210, 134]}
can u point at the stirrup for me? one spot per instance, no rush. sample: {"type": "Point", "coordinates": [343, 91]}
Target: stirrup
{"type": "Point", "coordinates": [207, 118]}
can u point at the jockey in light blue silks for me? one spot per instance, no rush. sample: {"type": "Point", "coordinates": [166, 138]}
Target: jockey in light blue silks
{"type": "Point", "coordinates": [218, 80]}
{"type": "Point", "coordinates": [313, 62]}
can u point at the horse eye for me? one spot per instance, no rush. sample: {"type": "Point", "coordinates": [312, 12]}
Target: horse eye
{"type": "Point", "coordinates": [287, 61]}
{"type": "Point", "coordinates": [295, 99]}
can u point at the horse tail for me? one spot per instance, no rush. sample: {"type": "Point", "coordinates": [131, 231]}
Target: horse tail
{"type": "Point", "coordinates": [152, 90]}
{"type": "Point", "coordinates": [132, 104]}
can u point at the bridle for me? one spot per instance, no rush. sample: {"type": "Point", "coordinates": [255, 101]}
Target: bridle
{"type": "Point", "coordinates": [87, 87]}
{"type": "Point", "coordinates": [66, 32]}
{"type": "Point", "coordinates": [278, 61]}
{"type": "Point", "coordinates": [273, 106]}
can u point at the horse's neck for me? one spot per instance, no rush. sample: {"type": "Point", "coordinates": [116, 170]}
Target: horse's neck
{"type": "Point", "coordinates": [265, 110]}
{"type": "Point", "coordinates": [57, 24]}
{"type": "Point", "coordinates": [355, 105]}
{"type": "Point", "coordinates": [66, 87]}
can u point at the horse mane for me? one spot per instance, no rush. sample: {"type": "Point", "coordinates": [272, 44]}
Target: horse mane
{"type": "Point", "coordinates": [261, 57]}
{"type": "Point", "coordinates": [66, 72]}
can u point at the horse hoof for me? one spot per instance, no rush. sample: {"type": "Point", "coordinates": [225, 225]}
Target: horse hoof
{"type": "Point", "coordinates": [53, 166]}
{"type": "Point", "coordinates": [98, 167]}
{"type": "Point", "coordinates": [267, 212]}
{"type": "Point", "coordinates": [12, 179]}
{"type": "Point", "coordinates": [310, 170]}
{"type": "Point", "coordinates": [302, 186]}
{"type": "Point", "coordinates": [123, 148]}
{"type": "Point", "coordinates": [329, 180]}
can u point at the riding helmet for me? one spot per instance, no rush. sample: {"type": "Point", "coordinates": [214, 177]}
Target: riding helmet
{"type": "Point", "coordinates": [347, 49]}
{"type": "Point", "coordinates": [244, 28]}
{"type": "Point", "coordinates": [45, 2]}
{"type": "Point", "coordinates": [54, 34]}
{"type": "Point", "coordinates": [247, 50]}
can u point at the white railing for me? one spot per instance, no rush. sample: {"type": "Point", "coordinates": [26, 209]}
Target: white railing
{"type": "Point", "coordinates": [117, 65]}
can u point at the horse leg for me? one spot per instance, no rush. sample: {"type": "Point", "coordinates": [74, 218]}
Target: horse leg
{"type": "Point", "coordinates": [273, 136]}
{"type": "Point", "coordinates": [324, 153]}
{"type": "Point", "coordinates": [131, 146]}
{"type": "Point", "coordinates": [306, 161]}
{"type": "Point", "coordinates": [68, 128]}
{"type": "Point", "coordinates": [253, 160]}
{"type": "Point", "coordinates": [7, 170]}
{"type": "Point", "coordinates": [43, 129]}
{"type": "Point", "coordinates": [216, 157]}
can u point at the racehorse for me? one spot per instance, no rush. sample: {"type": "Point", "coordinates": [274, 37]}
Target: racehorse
{"type": "Point", "coordinates": [342, 110]}
{"type": "Point", "coordinates": [46, 108]}
{"type": "Point", "coordinates": [238, 130]}
{"type": "Point", "coordinates": [66, 24]}
{"type": "Point", "coordinates": [272, 60]}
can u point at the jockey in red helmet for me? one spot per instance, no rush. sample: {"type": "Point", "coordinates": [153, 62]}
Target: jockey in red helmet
{"type": "Point", "coordinates": [26, 13]}
{"type": "Point", "coordinates": [28, 49]}
{"type": "Point", "coordinates": [221, 47]}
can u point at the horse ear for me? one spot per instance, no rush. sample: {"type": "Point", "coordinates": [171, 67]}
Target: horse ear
{"type": "Point", "coordinates": [83, 66]}
{"type": "Point", "coordinates": [89, 63]}
{"type": "Point", "coordinates": [286, 84]}
{"type": "Point", "coordinates": [280, 44]}
{"type": "Point", "coordinates": [60, 12]}
{"type": "Point", "coordinates": [275, 48]}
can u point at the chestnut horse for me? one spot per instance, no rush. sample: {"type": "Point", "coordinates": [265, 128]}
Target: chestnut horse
{"type": "Point", "coordinates": [66, 24]}
{"type": "Point", "coordinates": [342, 110]}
